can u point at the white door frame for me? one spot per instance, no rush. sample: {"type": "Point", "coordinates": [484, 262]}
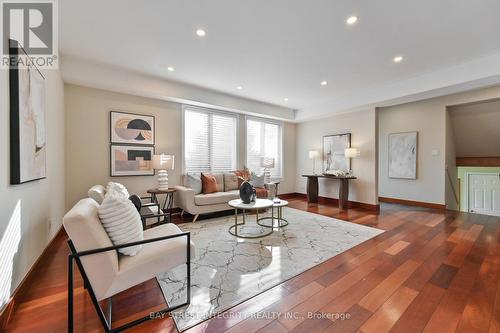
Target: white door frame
{"type": "Point", "coordinates": [466, 187]}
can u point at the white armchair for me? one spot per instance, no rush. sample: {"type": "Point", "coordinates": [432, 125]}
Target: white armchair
{"type": "Point", "coordinates": [106, 273]}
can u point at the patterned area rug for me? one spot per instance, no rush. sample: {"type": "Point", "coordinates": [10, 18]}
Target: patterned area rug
{"type": "Point", "coordinates": [228, 270]}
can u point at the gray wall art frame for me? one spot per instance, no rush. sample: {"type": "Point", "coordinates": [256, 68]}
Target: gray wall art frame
{"type": "Point", "coordinates": [403, 155]}
{"type": "Point", "coordinates": [131, 128]}
{"type": "Point", "coordinates": [129, 160]}
{"type": "Point", "coordinates": [333, 152]}
{"type": "Point", "coordinates": [28, 140]}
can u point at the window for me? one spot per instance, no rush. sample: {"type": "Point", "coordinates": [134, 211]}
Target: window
{"type": "Point", "coordinates": [210, 140]}
{"type": "Point", "coordinates": [263, 139]}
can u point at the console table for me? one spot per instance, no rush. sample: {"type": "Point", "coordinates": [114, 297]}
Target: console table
{"type": "Point", "coordinates": [312, 188]}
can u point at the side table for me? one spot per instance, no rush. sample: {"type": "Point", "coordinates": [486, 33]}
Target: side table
{"type": "Point", "coordinates": [168, 202]}
{"type": "Point", "coordinates": [276, 184]}
{"type": "Point", "coordinates": [278, 204]}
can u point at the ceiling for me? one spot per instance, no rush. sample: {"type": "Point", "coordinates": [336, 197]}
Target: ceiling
{"type": "Point", "coordinates": [284, 48]}
{"type": "Point", "coordinates": [475, 128]}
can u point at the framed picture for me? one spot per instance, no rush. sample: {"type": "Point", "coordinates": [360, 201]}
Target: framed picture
{"type": "Point", "coordinates": [130, 128]}
{"type": "Point", "coordinates": [126, 160]}
{"type": "Point", "coordinates": [403, 155]}
{"type": "Point", "coordinates": [28, 145]}
{"type": "Point", "coordinates": [334, 152]}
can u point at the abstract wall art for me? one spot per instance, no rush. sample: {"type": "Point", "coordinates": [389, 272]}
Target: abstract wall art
{"type": "Point", "coordinates": [28, 145]}
{"type": "Point", "coordinates": [334, 152]}
{"type": "Point", "coordinates": [129, 160]}
{"type": "Point", "coordinates": [403, 155]}
{"type": "Point", "coordinates": [132, 128]}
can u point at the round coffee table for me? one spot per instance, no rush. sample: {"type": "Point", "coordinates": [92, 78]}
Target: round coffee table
{"type": "Point", "coordinates": [281, 221]}
{"type": "Point", "coordinates": [258, 204]}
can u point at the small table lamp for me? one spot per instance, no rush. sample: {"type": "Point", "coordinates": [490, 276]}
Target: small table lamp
{"type": "Point", "coordinates": [351, 153]}
{"type": "Point", "coordinates": [267, 163]}
{"type": "Point", "coordinates": [162, 163]}
{"type": "Point", "coordinates": [313, 155]}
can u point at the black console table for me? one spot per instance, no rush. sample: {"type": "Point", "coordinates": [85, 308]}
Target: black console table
{"type": "Point", "coordinates": [313, 187]}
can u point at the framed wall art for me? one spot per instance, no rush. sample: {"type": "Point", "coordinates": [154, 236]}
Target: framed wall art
{"type": "Point", "coordinates": [334, 152]}
{"type": "Point", "coordinates": [130, 128]}
{"type": "Point", "coordinates": [28, 144]}
{"type": "Point", "coordinates": [127, 160]}
{"type": "Point", "coordinates": [403, 155]}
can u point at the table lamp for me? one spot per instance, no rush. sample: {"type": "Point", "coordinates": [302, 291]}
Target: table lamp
{"type": "Point", "coordinates": [267, 163]}
{"type": "Point", "coordinates": [313, 155]}
{"type": "Point", "coordinates": [351, 153]}
{"type": "Point", "coordinates": [162, 163]}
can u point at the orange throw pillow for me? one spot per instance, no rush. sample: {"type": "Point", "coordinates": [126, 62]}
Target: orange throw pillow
{"type": "Point", "coordinates": [262, 193]}
{"type": "Point", "coordinates": [208, 183]}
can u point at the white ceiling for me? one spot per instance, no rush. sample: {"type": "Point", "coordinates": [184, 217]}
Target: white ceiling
{"type": "Point", "coordinates": [285, 48]}
{"type": "Point", "coordinates": [476, 129]}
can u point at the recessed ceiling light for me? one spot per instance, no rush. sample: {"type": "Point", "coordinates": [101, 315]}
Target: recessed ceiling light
{"type": "Point", "coordinates": [324, 83]}
{"type": "Point", "coordinates": [352, 19]}
{"type": "Point", "coordinates": [239, 87]}
{"type": "Point", "coordinates": [201, 32]}
{"type": "Point", "coordinates": [398, 59]}
{"type": "Point", "coordinates": [170, 69]}
{"type": "Point", "coordinates": [285, 99]}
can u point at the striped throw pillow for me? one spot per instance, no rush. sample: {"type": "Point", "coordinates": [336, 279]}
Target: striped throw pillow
{"type": "Point", "coordinates": [122, 222]}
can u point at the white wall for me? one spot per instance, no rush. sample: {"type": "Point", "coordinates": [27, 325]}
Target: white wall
{"type": "Point", "coordinates": [362, 127]}
{"type": "Point", "coordinates": [429, 118]}
{"type": "Point", "coordinates": [87, 140]}
{"type": "Point", "coordinates": [477, 124]}
{"type": "Point", "coordinates": [31, 213]}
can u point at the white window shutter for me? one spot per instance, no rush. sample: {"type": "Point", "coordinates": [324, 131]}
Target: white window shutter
{"type": "Point", "coordinates": [210, 141]}
{"type": "Point", "coordinates": [263, 139]}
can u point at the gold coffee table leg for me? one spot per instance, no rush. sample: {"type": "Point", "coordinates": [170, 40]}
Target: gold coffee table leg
{"type": "Point", "coordinates": [279, 218]}
{"type": "Point", "coordinates": [236, 224]}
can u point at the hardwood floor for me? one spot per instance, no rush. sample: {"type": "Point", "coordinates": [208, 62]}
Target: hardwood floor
{"type": "Point", "coordinates": [429, 272]}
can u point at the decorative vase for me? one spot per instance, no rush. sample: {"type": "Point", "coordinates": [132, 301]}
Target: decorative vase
{"type": "Point", "coordinates": [246, 192]}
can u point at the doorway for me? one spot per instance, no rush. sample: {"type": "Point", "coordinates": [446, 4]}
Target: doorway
{"type": "Point", "coordinates": [483, 193]}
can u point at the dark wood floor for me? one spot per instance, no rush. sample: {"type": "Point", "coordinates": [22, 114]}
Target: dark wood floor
{"type": "Point", "coordinates": [429, 272]}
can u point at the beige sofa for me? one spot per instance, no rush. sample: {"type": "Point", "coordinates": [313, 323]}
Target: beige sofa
{"type": "Point", "coordinates": [195, 204]}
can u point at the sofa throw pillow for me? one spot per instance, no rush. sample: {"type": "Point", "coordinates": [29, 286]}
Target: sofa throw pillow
{"type": "Point", "coordinates": [256, 180]}
{"type": "Point", "coordinates": [219, 178]}
{"type": "Point", "coordinates": [208, 183]}
{"type": "Point", "coordinates": [122, 222]}
{"type": "Point", "coordinates": [230, 182]}
{"type": "Point", "coordinates": [97, 192]}
{"type": "Point", "coordinates": [117, 189]}
{"type": "Point", "coordinates": [193, 181]}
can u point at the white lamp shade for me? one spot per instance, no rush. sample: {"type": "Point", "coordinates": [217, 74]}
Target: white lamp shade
{"type": "Point", "coordinates": [351, 153]}
{"type": "Point", "coordinates": [267, 162]}
{"type": "Point", "coordinates": [163, 162]}
{"type": "Point", "coordinates": [313, 154]}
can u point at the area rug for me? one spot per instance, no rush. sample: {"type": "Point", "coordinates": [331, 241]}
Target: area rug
{"type": "Point", "coordinates": [228, 270]}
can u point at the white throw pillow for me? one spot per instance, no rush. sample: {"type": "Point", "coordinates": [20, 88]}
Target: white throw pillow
{"type": "Point", "coordinates": [117, 189]}
{"type": "Point", "coordinates": [122, 222]}
{"type": "Point", "coordinates": [97, 192]}
{"type": "Point", "coordinates": [193, 181]}
{"type": "Point", "coordinates": [256, 181]}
